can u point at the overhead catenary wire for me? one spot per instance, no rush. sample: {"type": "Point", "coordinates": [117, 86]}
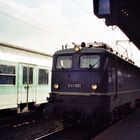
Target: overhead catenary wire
{"type": "Point", "coordinates": [40, 28]}
{"type": "Point", "coordinates": [88, 13]}
{"type": "Point", "coordinates": [56, 34]}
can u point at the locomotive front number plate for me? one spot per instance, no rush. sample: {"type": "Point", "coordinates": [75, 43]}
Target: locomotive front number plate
{"type": "Point", "coordinates": [74, 85]}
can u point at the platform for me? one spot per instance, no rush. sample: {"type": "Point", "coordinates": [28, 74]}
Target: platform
{"type": "Point", "coordinates": [126, 129]}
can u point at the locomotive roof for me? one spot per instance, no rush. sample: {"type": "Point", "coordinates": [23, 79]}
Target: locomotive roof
{"type": "Point", "coordinates": [83, 50]}
{"type": "Point", "coordinates": [92, 50]}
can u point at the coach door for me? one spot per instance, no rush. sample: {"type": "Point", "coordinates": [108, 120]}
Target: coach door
{"type": "Point", "coordinates": [27, 84]}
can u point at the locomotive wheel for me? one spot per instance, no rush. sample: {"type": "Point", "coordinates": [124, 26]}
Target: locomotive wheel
{"type": "Point", "coordinates": [102, 120]}
{"type": "Point", "coordinates": [71, 119]}
{"type": "Point", "coordinates": [115, 115]}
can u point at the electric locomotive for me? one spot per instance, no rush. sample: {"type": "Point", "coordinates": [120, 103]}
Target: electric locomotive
{"type": "Point", "coordinates": [92, 83]}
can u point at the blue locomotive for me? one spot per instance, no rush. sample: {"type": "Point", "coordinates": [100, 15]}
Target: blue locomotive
{"type": "Point", "coordinates": [92, 83]}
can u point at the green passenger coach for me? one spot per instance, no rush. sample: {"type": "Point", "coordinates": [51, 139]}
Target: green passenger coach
{"type": "Point", "coordinates": [24, 78]}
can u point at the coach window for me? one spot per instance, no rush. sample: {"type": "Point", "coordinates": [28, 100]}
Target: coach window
{"type": "Point", "coordinates": [64, 62]}
{"type": "Point", "coordinates": [43, 76]}
{"type": "Point", "coordinates": [30, 75]}
{"type": "Point", "coordinates": [27, 75]}
{"type": "Point", "coordinates": [24, 75]}
{"type": "Point", "coordinates": [90, 61]}
{"type": "Point", "coordinates": [7, 74]}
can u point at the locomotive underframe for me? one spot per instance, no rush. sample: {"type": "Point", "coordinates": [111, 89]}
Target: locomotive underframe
{"type": "Point", "coordinates": [92, 106]}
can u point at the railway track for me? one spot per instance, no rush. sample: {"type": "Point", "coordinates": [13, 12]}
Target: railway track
{"type": "Point", "coordinates": [18, 120]}
{"type": "Point", "coordinates": [72, 133]}
{"type": "Point", "coordinates": [50, 134]}
{"type": "Point", "coordinates": [35, 127]}
{"type": "Point", "coordinates": [26, 126]}
{"type": "Point", "coordinates": [78, 133]}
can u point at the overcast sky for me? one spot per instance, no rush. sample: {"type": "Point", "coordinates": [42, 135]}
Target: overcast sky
{"type": "Point", "coordinates": [46, 25]}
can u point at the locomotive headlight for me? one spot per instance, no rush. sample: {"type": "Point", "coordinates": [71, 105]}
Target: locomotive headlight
{"type": "Point", "coordinates": [94, 86]}
{"type": "Point", "coordinates": [56, 86]}
{"type": "Point", "coordinates": [76, 48]}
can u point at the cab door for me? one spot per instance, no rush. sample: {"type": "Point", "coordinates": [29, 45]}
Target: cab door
{"type": "Point", "coordinates": [27, 84]}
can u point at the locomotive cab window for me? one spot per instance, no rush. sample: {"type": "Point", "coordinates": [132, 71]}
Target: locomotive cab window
{"type": "Point", "coordinates": [90, 61]}
{"type": "Point", "coordinates": [64, 62]}
{"type": "Point", "coordinates": [7, 74]}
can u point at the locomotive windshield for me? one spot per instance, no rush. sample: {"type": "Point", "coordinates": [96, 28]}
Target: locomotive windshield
{"type": "Point", "coordinates": [90, 61]}
{"type": "Point", "coordinates": [64, 62]}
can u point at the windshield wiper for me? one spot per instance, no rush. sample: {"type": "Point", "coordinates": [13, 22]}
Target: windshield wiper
{"type": "Point", "coordinates": [61, 64]}
{"type": "Point", "coordinates": [92, 66]}
{"type": "Point", "coordinates": [62, 67]}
